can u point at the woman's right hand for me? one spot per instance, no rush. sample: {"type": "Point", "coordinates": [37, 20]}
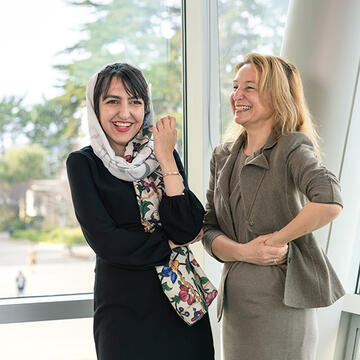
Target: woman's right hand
{"type": "Point", "coordinates": [257, 252]}
{"type": "Point", "coordinates": [165, 135]}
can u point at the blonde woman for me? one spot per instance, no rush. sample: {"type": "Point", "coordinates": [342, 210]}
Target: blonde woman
{"type": "Point", "coordinates": [268, 192]}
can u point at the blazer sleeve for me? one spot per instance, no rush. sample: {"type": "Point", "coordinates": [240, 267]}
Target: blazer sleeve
{"type": "Point", "coordinates": [181, 215]}
{"type": "Point", "coordinates": [312, 178]}
{"type": "Point", "coordinates": [109, 241]}
{"type": "Point", "coordinates": [211, 226]}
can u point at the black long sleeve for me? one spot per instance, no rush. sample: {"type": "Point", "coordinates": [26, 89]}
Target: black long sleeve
{"type": "Point", "coordinates": [108, 213]}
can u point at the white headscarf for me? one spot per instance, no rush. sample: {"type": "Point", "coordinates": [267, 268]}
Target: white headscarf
{"type": "Point", "coordinates": [143, 162]}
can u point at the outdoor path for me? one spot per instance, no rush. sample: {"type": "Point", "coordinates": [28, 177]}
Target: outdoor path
{"type": "Point", "coordinates": [55, 272]}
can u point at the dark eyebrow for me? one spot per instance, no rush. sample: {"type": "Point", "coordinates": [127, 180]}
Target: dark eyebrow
{"type": "Point", "coordinates": [111, 96]}
{"type": "Point", "coordinates": [119, 97]}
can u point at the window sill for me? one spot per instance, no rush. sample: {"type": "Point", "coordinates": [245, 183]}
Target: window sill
{"type": "Point", "coordinates": [351, 304]}
{"type": "Point", "coordinates": [45, 308]}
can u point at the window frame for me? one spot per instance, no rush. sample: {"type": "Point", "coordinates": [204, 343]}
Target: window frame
{"type": "Point", "coordinates": [45, 308]}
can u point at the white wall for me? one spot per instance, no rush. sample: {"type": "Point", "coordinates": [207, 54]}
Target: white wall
{"type": "Point", "coordinates": [322, 39]}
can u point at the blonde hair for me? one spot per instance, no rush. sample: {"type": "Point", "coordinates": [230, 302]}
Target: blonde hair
{"type": "Point", "coordinates": [281, 81]}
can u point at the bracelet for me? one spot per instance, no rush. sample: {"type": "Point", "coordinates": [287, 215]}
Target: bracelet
{"type": "Point", "coordinates": [171, 173]}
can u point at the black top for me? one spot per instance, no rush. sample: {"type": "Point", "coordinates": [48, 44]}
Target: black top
{"type": "Point", "coordinates": [126, 283]}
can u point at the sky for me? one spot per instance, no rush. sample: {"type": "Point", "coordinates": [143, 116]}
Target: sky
{"type": "Point", "coordinates": [33, 32]}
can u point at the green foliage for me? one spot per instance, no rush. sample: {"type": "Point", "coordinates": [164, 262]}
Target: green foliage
{"type": "Point", "coordinates": [23, 163]}
{"type": "Point", "coordinates": [246, 26]}
{"type": "Point", "coordinates": [54, 125]}
{"type": "Point", "coordinates": [28, 234]}
{"type": "Point", "coordinates": [130, 31]}
{"type": "Point", "coordinates": [11, 223]}
{"type": "Point", "coordinates": [54, 234]}
{"type": "Point", "coordinates": [12, 113]}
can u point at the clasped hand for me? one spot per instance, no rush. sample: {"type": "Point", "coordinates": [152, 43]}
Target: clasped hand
{"type": "Point", "coordinates": [259, 253]}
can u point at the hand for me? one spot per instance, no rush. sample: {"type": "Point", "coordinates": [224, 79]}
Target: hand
{"type": "Point", "coordinates": [259, 253]}
{"type": "Point", "coordinates": [165, 135]}
{"type": "Point", "coordinates": [196, 239]}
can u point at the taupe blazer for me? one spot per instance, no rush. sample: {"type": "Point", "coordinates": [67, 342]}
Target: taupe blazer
{"type": "Point", "coordinates": [275, 184]}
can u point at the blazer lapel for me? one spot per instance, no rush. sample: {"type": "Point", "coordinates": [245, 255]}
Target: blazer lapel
{"type": "Point", "coordinates": [225, 164]}
{"type": "Point", "coordinates": [253, 174]}
{"type": "Point", "coordinates": [226, 170]}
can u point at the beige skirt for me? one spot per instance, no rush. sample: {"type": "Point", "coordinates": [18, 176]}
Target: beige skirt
{"type": "Point", "coordinates": [257, 325]}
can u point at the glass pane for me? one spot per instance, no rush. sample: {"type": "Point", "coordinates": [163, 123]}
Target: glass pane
{"type": "Point", "coordinates": [55, 340]}
{"type": "Point", "coordinates": [246, 26]}
{"type": "Point", "coordinates": [42, 92]}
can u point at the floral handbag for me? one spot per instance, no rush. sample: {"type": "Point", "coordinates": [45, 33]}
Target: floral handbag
{"type": "Point", "coordinates": [185, 284]}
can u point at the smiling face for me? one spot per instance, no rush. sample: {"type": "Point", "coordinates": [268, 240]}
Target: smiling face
{"type": "Point", "coordinates": [249, 109]}
{"type": "Point", "coordinates": [121, 115]}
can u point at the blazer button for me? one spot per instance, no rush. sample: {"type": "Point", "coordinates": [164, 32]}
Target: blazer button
{"type": "Point", "coordinates": [251, 222]}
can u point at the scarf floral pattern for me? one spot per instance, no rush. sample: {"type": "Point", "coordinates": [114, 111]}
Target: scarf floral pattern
{"type": "Point", "coordinates": [182, 279]}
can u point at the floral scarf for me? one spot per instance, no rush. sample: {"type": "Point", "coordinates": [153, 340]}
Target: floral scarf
{"type": "Point", "coordinates": [183, 281]}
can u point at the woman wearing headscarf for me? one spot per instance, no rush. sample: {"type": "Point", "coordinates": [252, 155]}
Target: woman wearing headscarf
{"type": "Point", "coordinates": [134, 206]}
{"type": "Point", "coordinates": [268, 187]}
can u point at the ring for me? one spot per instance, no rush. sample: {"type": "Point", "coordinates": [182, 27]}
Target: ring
{"type": "Point", "coordinates": [275, 262]}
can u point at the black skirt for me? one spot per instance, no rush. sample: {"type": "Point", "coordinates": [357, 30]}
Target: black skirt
{"type": "Point", "coordinates": [134, 320]}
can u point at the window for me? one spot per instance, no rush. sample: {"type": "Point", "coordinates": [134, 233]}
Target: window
{"type": "Point", "coordinates": [52, 49]}
{"type": "Point", "coordinates": [50, 58]}
{"type": "Point", "coordinates": [246, 26]}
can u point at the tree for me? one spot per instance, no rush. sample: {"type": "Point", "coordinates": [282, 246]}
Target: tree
{"type": "Point", "coordinates": [254, 26]}
{"type": "Point", "coordinates": [12, 114]}
{"type": "Point", "coordinates": [130, 31]}
{"type": "Point", "coordinates": [23, 163]}
{"type": "Point", "coordinates": [54, 127]}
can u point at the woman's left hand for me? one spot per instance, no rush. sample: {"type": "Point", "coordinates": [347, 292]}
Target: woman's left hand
{"type": "Point", "coordinates": [165, 135]}
{"type": "Point", "coordinates": [281, 261]}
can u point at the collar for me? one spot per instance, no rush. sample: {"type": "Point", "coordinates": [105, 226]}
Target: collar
{"type": "Point", "coordinates": [258, 158]}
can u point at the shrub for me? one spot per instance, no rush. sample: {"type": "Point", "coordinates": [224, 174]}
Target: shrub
{"type": "Point", "coordinates": [54, 234]}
